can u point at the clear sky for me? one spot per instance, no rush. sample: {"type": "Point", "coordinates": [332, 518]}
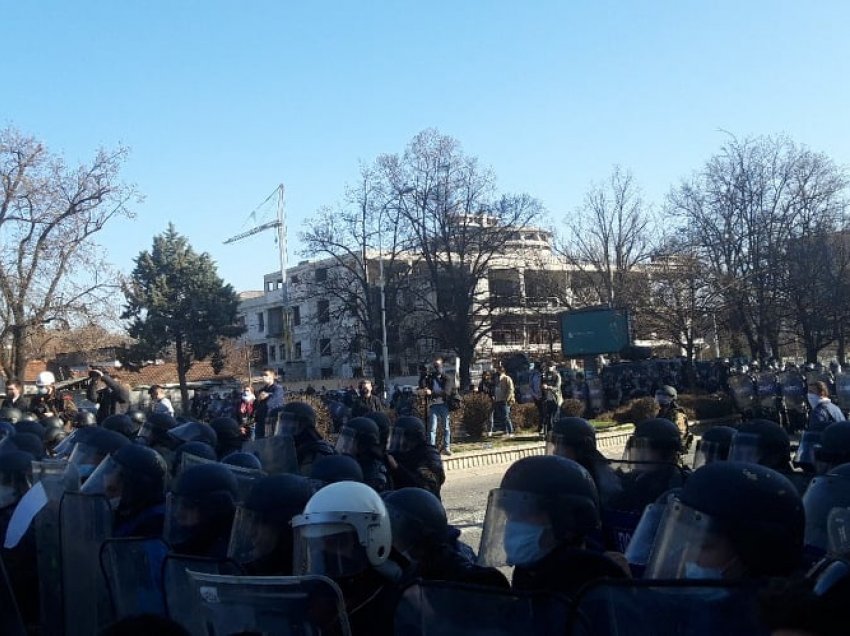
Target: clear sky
{"type": "Point", "coordinates": [221, 101]}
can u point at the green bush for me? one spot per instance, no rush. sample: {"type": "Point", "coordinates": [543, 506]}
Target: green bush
{"type": "Point", "coordinates": [475, 415]}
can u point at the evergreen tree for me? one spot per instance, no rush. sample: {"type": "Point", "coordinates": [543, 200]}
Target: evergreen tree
{"type": "Point", "coordinates": [177, 302]}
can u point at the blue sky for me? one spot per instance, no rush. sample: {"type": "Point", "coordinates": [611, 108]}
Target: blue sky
{"type": "Point", "coordinates": [221, 101]}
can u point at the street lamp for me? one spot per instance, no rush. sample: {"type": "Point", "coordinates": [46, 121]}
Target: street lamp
{"type": "Point", "coordinates": [384, 350]}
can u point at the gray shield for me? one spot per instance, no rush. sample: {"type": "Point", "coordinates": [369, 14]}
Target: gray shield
{"type": "Point", "coordinates": [56, 477]}
{"type": "Point", "coordinates": [277, 453]}
{"type": "Point", "coordinates": [793, 391]}
{"type": "Point", "coordinates": [181, 602]}
{"type": "Point", "coordinates": [766, 390]}
{"type": "Point", "coordinates": [455, 609]}
{"type": "Point", "coordinates": [285, 605]}
{"type": "Point", "coordinates": [85, 522]}
{"type": "Point", "coordinates": [133, 572]}
{"type": "Point", "coordinates": [842, 390]}
{"type": "Point", "coordinates": [665, 608]}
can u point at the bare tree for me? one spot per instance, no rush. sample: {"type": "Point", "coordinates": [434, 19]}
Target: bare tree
{"type": "Point", "coordinates": [745, 212]}
{"type": "Point", "coordinates": [608, 238]}
{"type": "Point", "coordinates": [457, 224]}
{"type": "Point", "coordinates": [51, 270]}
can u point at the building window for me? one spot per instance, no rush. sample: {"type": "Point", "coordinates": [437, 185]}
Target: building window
{"type": "Point", "coordinates": [261, 322]}
{"type": "Point", "coordinates": [296, 316]}
{"type": "Point", "coordinates": [272, 353]}
{"type": "Point", "coordinates": [297, 353]}
{"type": "Point", "coordinates": [324, 311]}
{"type": "Point", "coordinates": [325, 347]}
{"type": "Point", "coordinates": [327, 373]}
{"type": "Point", "coordinates": [321, 275]}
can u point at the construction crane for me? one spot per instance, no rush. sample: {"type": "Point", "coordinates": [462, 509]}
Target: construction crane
{"type": "Point", "coordinates": [278, 224]}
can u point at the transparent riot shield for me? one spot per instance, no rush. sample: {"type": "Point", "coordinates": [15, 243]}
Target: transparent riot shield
{"type": "Point", "coordinates": [793, 391]}
{"type": "Point", "coordinates": [766, 391]}
{"type": "Point", "coordinates": [181, 602]}
{"type": "Point", "coordinates": [666, 608]}
{"type": "Point", "coordinates": [56, 477]}
{"type": "Point", "coordinates": [842, 391]}
{"type": "Point", "coordinates": [743, 392]}
{"type": "Point", "coordinates": [245, 479]}
{"type": "Point", "coordinates": [132, 569]}
{"type": "Point", "coordinates": [455, 609]}
{"type": "Point", "coordinates": [85, 522]}
{"type": "Point", "coordinates": [187, 460]}
{"type": "Point", "coordinates": [276, 453]}
{"type": "Point", "coordinates": [10, 618]}
{"type": "Point", "coordinates": [284, 605]}
{"type": "Point", "coordinates": [596, 395]}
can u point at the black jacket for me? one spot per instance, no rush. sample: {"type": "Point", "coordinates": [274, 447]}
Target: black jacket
{"type": "Point", "coordinates": [363, 405]}
{"type": "Point", "coordinates": [421, 467]}
{"type": "Point", "coordinates": [113, 398]}
{"type": "Point", "coordinates": [565, 571]}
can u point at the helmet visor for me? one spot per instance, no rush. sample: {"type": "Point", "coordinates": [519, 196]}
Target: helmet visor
{"type": "Point", "coordinates": [745, 448]}
{"type": "Point", "coordinates": [559, 445]}
{"type": "Point", "coordinates": [106, 480]}
{"type": "Point", "coordinates": [64, 448]}
{"type": "Point", "coordinates": [252, 538]}
{"type": "Point", "coordinates": [823, 494]}
{"type": "Point", "coordinates": [643, 455]}
{"type": "Point", "coordinates": [688, 545]}
{"type": "Point", "coordinates": [87, 458]}
{"type": "Point", "coordinates": [287, 424]}
{"type": "Point", "coordinates": [643, 539]}
{"type": "Point", "coordinates": [400, 441]}
{"type": "Point", "coordinates": [346, 443]}
{"type": "Point", "coordinates": [809, 443]}
{"type": "Point", "coordinates": [708, 452]}
{"type": "Point", "coordinates": [188, 432]}
{"type": "Point", "coordinates": [183, 519]}
{"type": "Point", "coordinates": [328, 549]}
{"type": "Point", "coordinates": [517, 529]}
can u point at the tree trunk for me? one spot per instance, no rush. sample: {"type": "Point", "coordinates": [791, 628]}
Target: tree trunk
{"type": "Point", "coordinates": [840, 352]}
{"type": "Point", "coordinates": [19, 358]}
{"type": "Point", "coordinates": [465, 354]}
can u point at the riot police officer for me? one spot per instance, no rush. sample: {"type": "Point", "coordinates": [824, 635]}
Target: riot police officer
{"type": "Point", "coordinates": [123, 424]}
{"type": "Point", "coordinates": [228, 436]}
{"type": "Point", "coordinates": [195, 432]}
{"type": "Point", "coordinates": [330, 469]}
{"type": "Point", "coordinates": [261, 540]}
{"type": "Point", "coordinates": [713, 446]}
{"type": "Point", "coordinates": [412, 461]}
{"type": "Point", "coordinates": [91, 450]}
{"type": "Point", "coordinates": [669, 409]}
{"type": "Point", "coordinates": [199, 511]}
{"type": "Point", "coordinates": [298, 419]}
{"type": "Point", "coordinates": [575, 438]}
{"type": "Point", "coordinates": [538, 520]}
{"type": "Point", "coordinates": [360, 439]}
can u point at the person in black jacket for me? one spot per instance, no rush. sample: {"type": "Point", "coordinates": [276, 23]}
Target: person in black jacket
{"type": "Point", "coordinates": [366, 401]}
{"type": "Point", "coordinates": [15, 397]}
{"type": "Point", "coordinates": [412, 461]}
{"type": "Point", "coordinates": [113, 398]}
{"type": "Point", "coordinates": [360, 438]}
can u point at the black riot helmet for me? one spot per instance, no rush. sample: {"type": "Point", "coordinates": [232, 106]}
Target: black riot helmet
{"type": "Point", "coordinates": [48, 421]}
{"type": "Point", "coordinates": [32, 417]}
{"type": "Point", "coordinates": [15, 476]}
{"type": "Point", "coordinates": [25, 426]}
{"type": "Point", "coordinates": [825, 492]}
{"type": "Point", "coordinates": [91, 450]}
{"type": "Point", "coordinates": [655, 440]}
{"type": "Point", "coordinates": [27, 442]}
{"type": "Point", "coordinates": [329, 469]}
{"type": "Point", "coordinates": [84, 418]}
{"type": "Point", "coordinates": [262, 536]}
{"type": "Point", "coordinates": [731, 520]}
{"type": "Point", "coordinates": [571, 437]}
{"type": "Point", "coordinates": [407, 434]}
{"type": "Point", "coordinates": [295, 418]}
{"type": "Point", "coordinates": [10, 414]}
{"type": "Point", "coordinates": [543, 502]}
{"type": "Point", "coordinates": [200, 508]}
{"type": "Point", "coordinates": [155, 430]}
{"type": "Point", "coordinates": [713, 446]}
{"type": "Point", "coordinates": [762, 442]}
{"type": "Point", "coordinates": [834, 448]}
{"type": "Point", "coordinates": [228, 435]}
{"type": "Point", "coordinates": [359, 436]}
{"type": "Point", "coordinates": [138, 417]}
{"type": "Point", "coordinates": [383, 423]}
{"type": "Point", "coordinates": [243, 460]}
{"type": "Point", "coordinates": [200, 450]}
{"type": "Point", "coordinates": [132, 478]}
{"type": "Point", "coordinates": [418, 521]}
{"type": "Point", "coordinates": [122, 424]}
{"type": "Point", "coordinates": [194, 432]}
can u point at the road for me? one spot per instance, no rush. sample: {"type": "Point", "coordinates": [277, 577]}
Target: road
{"type": "Point", "coordinates": [465, 495]}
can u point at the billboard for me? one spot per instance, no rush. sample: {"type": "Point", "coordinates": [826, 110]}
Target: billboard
{"type": "Point", "coordinates": [591, 332]}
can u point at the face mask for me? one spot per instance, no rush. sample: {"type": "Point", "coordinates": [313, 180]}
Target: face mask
{"type": "Point", "coordinates": [8, 496]}
{"type": "Point", "coordinates": [42, 390]}
{"type": "Point", "coordinates": [814, 399]}
{"type": "Point", "coordinates": [522, 542]}
{"type": "Point", "coordinates": [248, 397]}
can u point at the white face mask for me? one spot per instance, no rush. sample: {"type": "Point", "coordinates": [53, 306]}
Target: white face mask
{"type": "Point", "coordinates": [248, 397]}
{"type": "Point", "coordinates": [814, 399]}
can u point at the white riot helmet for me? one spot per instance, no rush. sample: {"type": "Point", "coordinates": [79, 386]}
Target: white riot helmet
{"type": "Point", "coordinates": [44, 380]}
{"type": "Point", "coordinates": [344, 530]}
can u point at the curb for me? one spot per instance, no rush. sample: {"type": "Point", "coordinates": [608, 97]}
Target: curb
{"type": "Point", "coordinates": [510, 454]}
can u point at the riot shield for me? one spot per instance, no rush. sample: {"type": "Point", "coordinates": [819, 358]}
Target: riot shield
{"type": "Point", "coordinates": [743, 392]}
{"type": "Point", "coordinates": [666, 608]}
{"type": "Point", "coordinates": [285, 605]}
{"type": "Point", "coordinates": [276, 453]}
{"type": "Point", "coordinates": [455, 609]}
{"type": "Point", "coordinates": [245, 479]}
{"type": "Point", "coordinates": [10, 618]}
{"type": "Point", "coordinates": [132, 569]}
{"type": "Point", "coordinates": [56, 477]}
{"type": "Point", "coordinates": [181, 602]}
{"type": "Point", "coordinates": [766, 393]}
{"type": "Point", "coordinates": [595, 395]}
{"type": "Point", "coordinates": [85, 522]}
{"type": "Point", "coordinates": [793, 391]}
{"type": "Point", "coordinates": [187, 460]}
{"type": "Point", "coordinates": [842, 391]}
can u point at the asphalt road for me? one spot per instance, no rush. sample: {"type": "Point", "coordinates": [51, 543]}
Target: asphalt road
{"type": "Point", "coordinates": [465, 493]}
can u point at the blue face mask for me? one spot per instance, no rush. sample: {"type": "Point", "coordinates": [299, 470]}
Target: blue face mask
{"type": "Point", "coordinates": [696, 571]}
{"type": "Point", "coordinates": [522, 542]}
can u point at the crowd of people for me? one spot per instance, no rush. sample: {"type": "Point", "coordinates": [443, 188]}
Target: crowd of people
{"type": "Point", "coordinates": [187, 521]}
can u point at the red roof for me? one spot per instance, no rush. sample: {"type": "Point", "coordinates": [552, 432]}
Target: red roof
{"type": "Point", "coordinates": [166, 373]}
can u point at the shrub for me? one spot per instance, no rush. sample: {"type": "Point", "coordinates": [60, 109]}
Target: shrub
{"type": "Point", "coordinates": [572, 408]}
{"type": "Point", "coordinates": [635, 411]}
{"type": "Point", "coordinates": [323, 415]}
{"type": "Point", "coordinates": [475, 415]}
{"type": "Point", "coordinates": [525, 416]}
